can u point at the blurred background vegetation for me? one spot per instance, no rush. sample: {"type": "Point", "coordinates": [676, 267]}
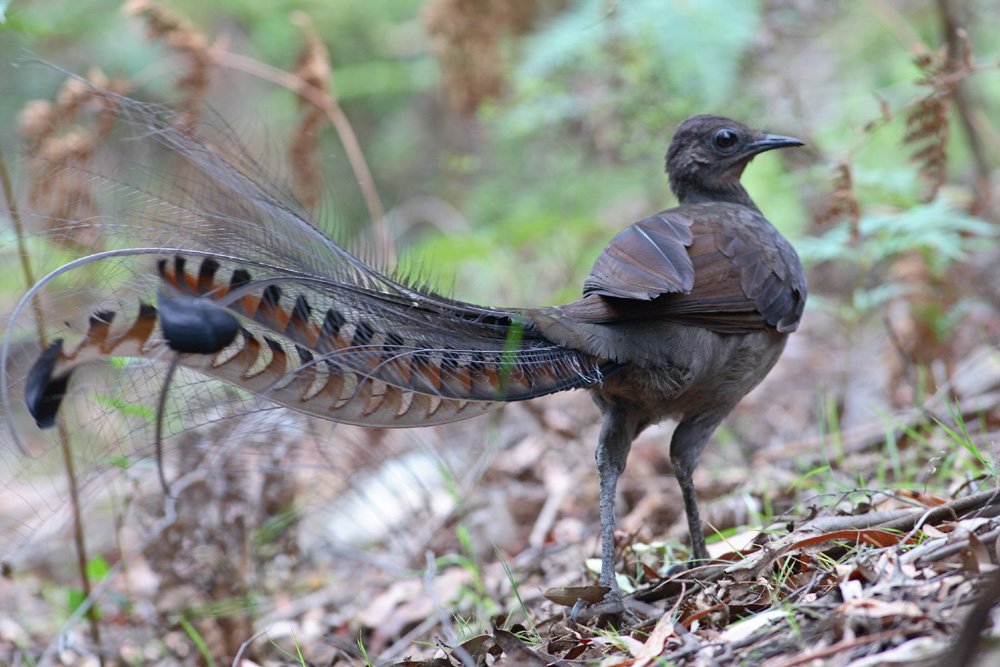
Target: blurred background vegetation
{"type": "Point", "coordinates": [510, 139]}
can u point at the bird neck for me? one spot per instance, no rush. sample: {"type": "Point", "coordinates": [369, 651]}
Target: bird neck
{"type": "Point", "coordinates": [730, 191]}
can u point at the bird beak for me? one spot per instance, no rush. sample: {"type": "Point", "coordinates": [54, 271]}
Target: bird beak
{"type": "Point", "coordinates": [771, 141]}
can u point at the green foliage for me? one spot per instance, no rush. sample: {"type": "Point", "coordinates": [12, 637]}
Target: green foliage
{"type": "Point", "coordinates": [383, 78]}
{"type": "Point", "coordinates": [475, 595]}
{"type": "Point", "coordinates": [960, 436]}
{"type": "Point", "coordinates": [802, 481]}
{"type": "Point", "coordinates": [477, 264]}
{"type": "Point", "coordinates": [650, 61]}
{"type": "Point", "coordinates": [273, 528]}
{"type": "Point", "coordinates": [75, 599]}
{"type": "Point", "coordinates": [937, 231]}
{"type": "Point", "coordinates": [778, 194]}
{"type": "Point", "coordinates": [223, 607]}
{"type": "Point", "coordinates": [144, 412]}
{"type": "Point", "coordinates": [97, 569]}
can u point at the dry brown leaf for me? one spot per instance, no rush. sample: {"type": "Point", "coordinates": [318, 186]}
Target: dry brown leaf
{"type": "Point", "coordinates": [516, 652]}
{"type": "Point", "coordinates": [567, 596]}
{"type": "Point", "coordinates": [873, 536]}
{"type": "Point", "coordinates": [657, 641]}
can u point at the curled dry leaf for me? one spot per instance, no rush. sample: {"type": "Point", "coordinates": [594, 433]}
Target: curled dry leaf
{"type": "Point", "coordinates": [567, 596]}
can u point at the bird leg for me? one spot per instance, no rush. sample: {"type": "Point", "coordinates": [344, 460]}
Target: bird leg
{"type": "Point", "coordinates": [686, 446]}
{"type": "Point", "coordinates": [612, 450]}
{"type": "Point", "coordinates": [684, 477]}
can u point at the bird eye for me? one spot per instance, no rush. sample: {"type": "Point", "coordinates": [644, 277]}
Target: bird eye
{"type": "Point", "coordinates": [725, 139]}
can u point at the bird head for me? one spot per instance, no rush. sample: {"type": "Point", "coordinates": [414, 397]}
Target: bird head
{"type": "Point", "coordinates": [708, 154]}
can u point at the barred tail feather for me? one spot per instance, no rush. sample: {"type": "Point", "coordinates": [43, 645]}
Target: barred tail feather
{"type": "Point", "coordinates": [356, 368]}
{"type": "Point", "coordinates": [258, 364]}
{"type": "Point", "coordinates": [429, 346]}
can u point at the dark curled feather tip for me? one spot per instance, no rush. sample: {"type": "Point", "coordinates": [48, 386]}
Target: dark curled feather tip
{"type": "Point", "coordinates": [42, 393]}
{"type": "Point", "coordinates": [196, 326]}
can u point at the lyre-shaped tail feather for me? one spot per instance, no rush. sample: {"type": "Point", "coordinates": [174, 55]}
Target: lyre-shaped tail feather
{"type": "Point", "coordinates": [293, 315]}
{"type": "Point", "coordinates": [369, 359]}
{"type": "Point", "coordinates": [258, 364]}
{"type": "Point", "coordinates": [432, 345]}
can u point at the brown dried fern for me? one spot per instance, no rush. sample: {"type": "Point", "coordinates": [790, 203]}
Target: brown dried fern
{"type": "Point", "coordinates": [842, 203]}
{"type": "Point", "coordinates": [313, 67]}
{"type": "Point", "coordinates": [927, 123]}
{"type": "Point", "coordinates": [60, 150]}
{"type": "Point", "coordinates": [165, 24]}
{"type": "Point", "coordinates": [309, 82]}
{"type": "Point", "coordinates": [465, 37]}
{"type": "Point", "coordinates": [916, 322]}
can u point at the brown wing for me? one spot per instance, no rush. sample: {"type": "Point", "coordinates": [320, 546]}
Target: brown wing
{"type": "Point", "coordinates": [721, 267]}
{"type": "Point", "coordinates": [645, 260]}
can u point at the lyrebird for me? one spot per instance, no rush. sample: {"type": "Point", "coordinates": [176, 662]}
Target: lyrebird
{"type": "Point", "coordinates": [683, 313]}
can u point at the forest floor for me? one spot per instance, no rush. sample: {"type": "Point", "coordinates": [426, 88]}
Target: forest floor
{"type": "Point", "coordinates": [844, 532]}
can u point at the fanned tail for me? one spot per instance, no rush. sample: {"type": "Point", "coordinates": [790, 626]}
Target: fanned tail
{"type": "Point", "coordinates": [363, 357]}
{"type": "Point", "coordinates": [250, 291]}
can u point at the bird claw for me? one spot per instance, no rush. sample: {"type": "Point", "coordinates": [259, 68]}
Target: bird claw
{"type": "Point", "coordinates": [612, 606]}
{"type": "Point", "coordinates": [680, 568]}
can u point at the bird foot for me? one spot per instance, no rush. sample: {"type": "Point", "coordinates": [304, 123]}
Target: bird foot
{"type": "Point", "coordinates": [589, 602]}
{"type": "Point", "coordinates": [680, 568]}
{"type": "Point", "coordinates": [611, 607]}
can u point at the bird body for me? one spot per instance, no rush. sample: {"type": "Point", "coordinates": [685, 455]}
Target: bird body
{"type": "Point", "coordinates": [694, 305]}
{"type": "Point", "coordinates": [683, 313]}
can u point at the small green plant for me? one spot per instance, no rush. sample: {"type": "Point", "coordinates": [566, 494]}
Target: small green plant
{"type": "Point", "coordinates": [126, 407]}
{"type": "Point", "coordinates": [363, 651]}
{"type": "Point", "coordinates": [197, 640]}
{"type": "Point", "coordinates": [960, 435]}
{"type": "Point", "coordinates": [476, 591]}
{"type": "Point", "coordinates": [97, 569]}
{"type": "Point", "coordinates": [802, 481]}
{"type": "Point", "coordinates": [784, 571]}
{"type": "Point", "coordinates": [274, 527]}
{"type": "Point", "coordinates": [299, 658]}
{"type": "Point", "coordinates": [793, 622]}
{"type": "Point", "coordinates": [828, 420]}
{"type": "Point", "coordinates": [517, 595]}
